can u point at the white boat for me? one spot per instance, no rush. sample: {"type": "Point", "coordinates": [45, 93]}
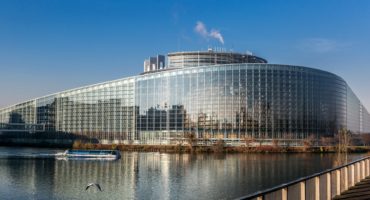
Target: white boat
{"type": "Point", "coordinates": [90, 154]}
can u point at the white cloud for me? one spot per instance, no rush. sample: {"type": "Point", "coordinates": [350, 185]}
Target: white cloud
{"type": "Point", "coordinates": [201, 29]}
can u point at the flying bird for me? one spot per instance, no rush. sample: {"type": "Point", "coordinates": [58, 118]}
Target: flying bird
{"type": "Point", "coordinates": [93, 184]}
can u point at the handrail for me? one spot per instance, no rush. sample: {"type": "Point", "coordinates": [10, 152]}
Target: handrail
{"type": "Point", "coordinates": [286, 185]}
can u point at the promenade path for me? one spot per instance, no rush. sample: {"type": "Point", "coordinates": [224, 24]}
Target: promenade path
{"type": "Point", "coordinates": [359, 191]}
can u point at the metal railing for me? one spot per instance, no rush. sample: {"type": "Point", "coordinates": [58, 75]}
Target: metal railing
{"type": "Point", "coordinates": [319, 186]}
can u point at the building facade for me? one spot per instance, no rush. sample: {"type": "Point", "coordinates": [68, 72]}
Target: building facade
{"type": "Point", "coordinates": [214, 101]}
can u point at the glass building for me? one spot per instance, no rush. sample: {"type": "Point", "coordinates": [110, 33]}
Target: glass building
{"type": "Point", "coordinates": [212, 101]}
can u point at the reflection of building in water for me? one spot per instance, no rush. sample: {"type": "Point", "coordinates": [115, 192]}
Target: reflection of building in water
{"type": "Point", "coordinates": [158, 175]}
{"type": "Point", "coordinates": [28, 178]}
{"type": "Point", "coordinates": [116, 177]}
{"type": "Point", "coordinates": [162, 173]}
{"type": "Point", "coordinates": [213, 95]}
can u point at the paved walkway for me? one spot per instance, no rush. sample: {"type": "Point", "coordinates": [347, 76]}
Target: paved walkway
{"type": "Point", "coordinates": [360, 191]}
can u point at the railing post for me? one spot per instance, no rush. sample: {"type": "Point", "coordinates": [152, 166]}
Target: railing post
{"type": "Point", "coordinates": [338, 181]}
{"type": "Point", "coordinates": [328, 186]}
{"type": "Point", "coordinates": [345, 181]}
{"type": "Point", "coordinates": [284, 194]}
{"type": "Point", "coordinates": [317, 188]}
{"type": "Point", "coordinates": [358, 169]}
{"type": "Point", "coordinates": [352, 174]}
{"type": "Point", "coordinates": [365, 168]}
{"type": "Point", "coordinates": [368, 167]}
{"type": "Point", "coordinates": [357, 173]}
{"type": "Point", "coordinates": [362, 169]}
{"type": "Point", "coordinates": [302, 192]}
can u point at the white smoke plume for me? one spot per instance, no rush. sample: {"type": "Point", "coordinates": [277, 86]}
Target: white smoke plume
{"type": "Point", "coordinates": [217, 35]}
{"type": "Point", "coordinates": [201, 29]}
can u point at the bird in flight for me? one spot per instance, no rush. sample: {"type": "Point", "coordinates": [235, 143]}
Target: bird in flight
{"type": "Point", "coordinates": [93, 184]}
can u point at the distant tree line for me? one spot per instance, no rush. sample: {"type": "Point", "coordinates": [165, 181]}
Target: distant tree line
{"type": "Point", "coordinates": [342, 140]}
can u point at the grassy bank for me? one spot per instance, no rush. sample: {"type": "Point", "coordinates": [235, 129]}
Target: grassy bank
{"type": "Point", "coordinates": [217, 148]}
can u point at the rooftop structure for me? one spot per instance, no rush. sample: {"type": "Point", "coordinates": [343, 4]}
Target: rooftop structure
{"type": "Point", "coordinates": [210, 57]}
{"type": "Point", "coordinates": [154, 63]}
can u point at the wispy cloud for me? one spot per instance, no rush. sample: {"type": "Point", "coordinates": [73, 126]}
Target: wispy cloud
{"type": "Point", "coordinates": [322, 45]}
{"type": "Point", "coordinates": [217, 35]}
{"type": "Point", "coordinates": [201, 29]}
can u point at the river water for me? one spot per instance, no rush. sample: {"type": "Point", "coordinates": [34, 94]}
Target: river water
{"type": "Point", "coordinates": [153, 175]}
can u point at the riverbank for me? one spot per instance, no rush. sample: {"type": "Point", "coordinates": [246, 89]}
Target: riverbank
{"type": "Point", "coordinates": [215, 148]}
{"type": "Point", "coordinates": [218, 148]}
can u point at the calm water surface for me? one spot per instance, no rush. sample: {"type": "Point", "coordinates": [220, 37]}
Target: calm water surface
{"type": "Point", "coordinates": [153, 175]}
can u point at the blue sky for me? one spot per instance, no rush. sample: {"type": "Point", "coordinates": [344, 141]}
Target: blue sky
{"type": "Point", "coordinates": [49, 46]}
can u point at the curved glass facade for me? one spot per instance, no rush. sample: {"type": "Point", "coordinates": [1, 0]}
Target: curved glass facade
{"type": "Point", "coordinates": [215, 102]}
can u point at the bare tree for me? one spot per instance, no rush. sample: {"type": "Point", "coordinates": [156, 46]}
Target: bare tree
{"type": "Point", "coordinates": [207, 141]}
{"type": "Point", "coordinates": [275, 142]}
{"type": "Point", "coordinates": [309, 141]}
{"type": "Point", "coordinates": [248, 140]}
{"type": "Point", "coordinates": [340, 159]}
{"type": "Point", "coordinates": [288, 139]}
{"type": "Point", "coordinates": [261, 139]}
{"type": "Point", "coordinates": [344, 140]}
{"type": "Point", "coordinates": [366, 139]}
{"type": "Point", "coordinates": [218, 147]}
{"type": "Point", "coordinates": [191, 139]}
{"type": "Point", "coordinates": [327, 141]}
